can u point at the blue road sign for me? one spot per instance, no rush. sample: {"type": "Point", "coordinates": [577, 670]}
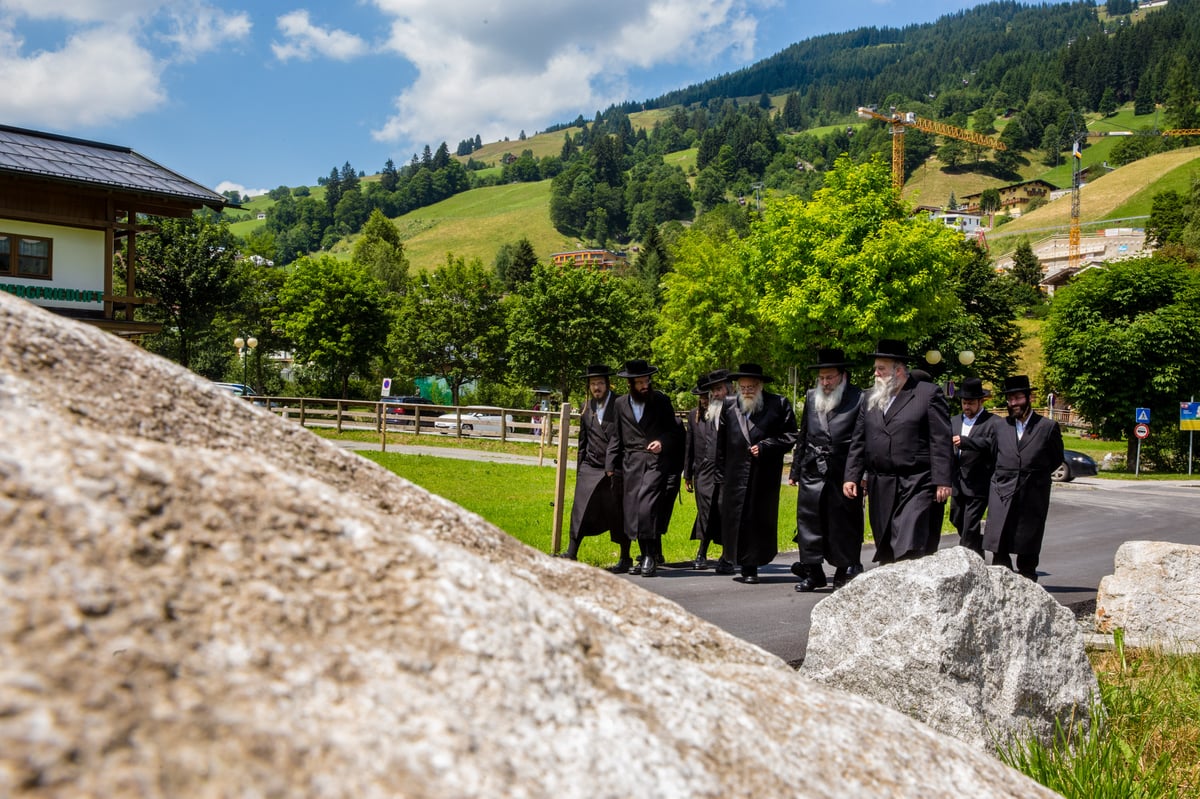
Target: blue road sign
{"type": "Point", "coordinates": [1189, 416]}
{"type": "Point", "coordinates": [1142, 416]}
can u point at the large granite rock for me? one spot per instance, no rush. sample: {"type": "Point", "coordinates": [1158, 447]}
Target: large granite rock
{"type": "Point", "coordinates": [1153, 595]}
{"type": "Point", "coordinates": [974, 651]}
{"type": "Point", "coordinates": [202, 600]}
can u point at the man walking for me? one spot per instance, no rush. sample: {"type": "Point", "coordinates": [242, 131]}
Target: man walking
{"type": "Point", "coordinates": [642, 450]}
{"type": "Point", "coordinates": [597, 504]}
{"type": "Point", "coordinates": [902, 452]}
{"type": "Point", "coordinates": [829, 525]}
{"type": "Point", "coordinates": [758, 430]}
{"type": "Point", "coordinates": [1028, 448]}
{"type": "Point", "coordinates": [700, 460]}
{"type": "Point", "coordinates": [973, 467]}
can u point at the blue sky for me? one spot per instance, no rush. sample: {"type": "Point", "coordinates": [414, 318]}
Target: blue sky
{"type": "Point", "coordinates": [253, 95]}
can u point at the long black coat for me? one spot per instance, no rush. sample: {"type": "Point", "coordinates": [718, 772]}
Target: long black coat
{"type": "Point", "coordinates": [597, 505]}
{"type": "Point", "coordinates": [904, 455]}
{"type": "Point", "coordinates": [972, 477]}
{"type": "Point", "coordinates": [828, 524]}
{"type": "Point", "coordinates": [644, 473]}
{"type": "Point", "coordinates": [750, 485]}
{"type": "Point", "coordinates": [700, 469]}
{"type": "Point", "coordinates": [1019, 494]}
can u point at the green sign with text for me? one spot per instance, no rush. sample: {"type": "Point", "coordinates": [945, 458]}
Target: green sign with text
{"type": "Point", "coordinates": [54, 293]}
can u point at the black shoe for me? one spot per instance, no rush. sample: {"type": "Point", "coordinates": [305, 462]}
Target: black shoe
{"type": "Point", "coordinates": [623, 566]}
{"type": "Point", "coordinates": [701, 563]}
{"type": "Point", "coordinates": [845, 575]}
{"type": "Point", "coordinates": [649, 566]}
{"type": "Point", "coordinates": [724, 567]}
{"type": "Point", "coordinates": [749, 575]}
{"type": "Point", "coordinates": [636, 566]}
{"type": "Point", "coordinates": [812, 581]}
{"type": "Point", "coordinates": [659, 560]}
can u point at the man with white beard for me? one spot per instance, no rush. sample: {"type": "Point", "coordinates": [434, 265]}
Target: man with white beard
{"type": "Point", "coordinates": [829, 525]}
{"type": "Point", "coordinates": [758, 429]}
{"type": "Point", "coordinates": [902, 454]}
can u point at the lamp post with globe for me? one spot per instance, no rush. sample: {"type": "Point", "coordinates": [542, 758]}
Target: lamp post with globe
{"type": "Point", "coordinates": [244, 344]}
{"type": "Point", "coordinates": [965, 357]}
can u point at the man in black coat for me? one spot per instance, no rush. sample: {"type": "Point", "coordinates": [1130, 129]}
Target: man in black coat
{"type": "Point", "coordinates": [700, 461]}
{"type": "Point", "coordinates": [597, 504]}
{"type": "Point", "coordinates": [759, 428]}
{"type": "Point", "coordinates": [643, 451]}
{"type": "Point", "coordinates": [973, 467]}
{"type": "Point", "coordinates": [829, 525]}
{"type": "Point", "coordinates": [1028, 449]}
{"type": "Point", "coordinates": [902, 453]}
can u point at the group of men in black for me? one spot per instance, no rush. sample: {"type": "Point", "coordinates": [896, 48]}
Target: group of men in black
{"type": "Point", "coordinates": [895, 442]}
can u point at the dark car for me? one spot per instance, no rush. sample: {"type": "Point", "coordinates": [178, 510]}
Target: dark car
{"type": "Point", "coordinates": [1075, 464]}
{"type": "Point", "coordinates": [398, 411]}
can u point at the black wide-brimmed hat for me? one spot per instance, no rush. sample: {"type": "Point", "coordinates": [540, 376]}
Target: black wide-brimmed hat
{"type": "Point", "coordinates": [830, 359]}
{"type": "Point", "coordinates": [699, 389]}
{"type": "Point", "coordinates": [637, 368]}
{"type": "Point", "coordinates": [892, 348]}
{"type": "Point", "coordinates": [1016, 384]}
{"type": "Point", "coordinates": [749, 370]}
{"type": "Point", "coordinates": [715, 378]}
{"type": "Point", "coordinates": [972, 389]}
{"type": "Point", "coordinates": [921, 376]}
{"type": "Point", "coordinates": [598, 370]}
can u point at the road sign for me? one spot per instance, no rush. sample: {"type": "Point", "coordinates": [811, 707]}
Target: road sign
{"type": "Point", "coordinates": [1189, 416]}
{"type": "Point", "coordinates": [1141, 430]}
{"type": "Point", "coordinates": [386, 389]}
{"type": "Point", "coordinates": [1142, 416]}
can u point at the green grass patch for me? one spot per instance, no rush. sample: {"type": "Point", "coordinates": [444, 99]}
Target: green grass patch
{"type": "Point", "coordinates": [1178, 179]}
{"type": "Point", "coordinates": [1148, 745]}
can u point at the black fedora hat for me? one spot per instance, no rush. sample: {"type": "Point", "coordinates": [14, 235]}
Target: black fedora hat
{"type": "Point", "coordinates": [1016, 384]}
{"type": "Point", "coordinates": [749, 370]}
{"type": "Point", "coordinates": [972, 389]}
{"type": "Point", "coordinates": [598, 370]}
{"type": "Point", "coordinates": [699, 389]}
{"type": "Point", "coordinates": [637, 368]}
{"type": "Point", "coordinates": [892, 348]}
{"type": "Point", "coordinates": [830, 359]}
{"type": "Point", "coordinates": [715, 378]}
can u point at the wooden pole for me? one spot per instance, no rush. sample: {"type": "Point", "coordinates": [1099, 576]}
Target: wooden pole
{"type": "Point", "coordinates": [560, 475]}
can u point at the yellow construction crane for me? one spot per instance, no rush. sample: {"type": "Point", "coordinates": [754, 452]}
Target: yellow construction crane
{"type": "Point", "coordinates": [1074, 237]}
{"type": "Point", "coordinates": [900, 122]}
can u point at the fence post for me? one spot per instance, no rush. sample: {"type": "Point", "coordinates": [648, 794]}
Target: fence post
{"type": "Point", "coordinates": [302, 411]}
{"type": "Point", "coordinates": [560, 475]}
{"type": "Point", "coordinates": [339, 416]}
{"type": "Point", "coordinates": [383, 428]}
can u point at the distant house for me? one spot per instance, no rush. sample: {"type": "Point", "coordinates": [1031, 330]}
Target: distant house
{"type": "Point", "coordinates": [1014, 197]}
{"type": "Point", "coordinates": [967, 224]}
{"type": "Point", "coordinates": [70, 209]}
{"type": "Point", "coordinates": [261, 216]}
{"type": "Point", "coordinates": [602, 259]}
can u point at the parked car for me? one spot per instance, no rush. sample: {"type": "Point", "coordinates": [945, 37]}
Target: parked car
{"type": "Point", "coordinates": [242, 390]}
{"type": "Point", "coordinates": [486, 422]}
{"type": "Point", "coordinates": [1075, 464]}
{"type": "Point", "coordinates": [398, 413]}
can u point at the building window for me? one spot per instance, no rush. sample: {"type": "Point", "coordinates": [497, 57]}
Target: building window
{"type": "Point", "coordinates": [25, 256]}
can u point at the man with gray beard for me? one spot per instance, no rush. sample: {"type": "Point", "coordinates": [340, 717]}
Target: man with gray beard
{"type": "Point", "coordinates": [700, 463]}
{"type": "Point", "coordinates": [758, 429]}
{"type": "Point", "coordinates": [829, 525]}
{"type": "Point", "coordinates": [901, 454]}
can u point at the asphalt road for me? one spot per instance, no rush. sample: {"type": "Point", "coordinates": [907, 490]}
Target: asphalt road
{"type": "Point", "coordinates": [1089, 519]}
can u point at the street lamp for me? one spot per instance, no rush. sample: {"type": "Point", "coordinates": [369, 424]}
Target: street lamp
{"type": "Point", "coordinates": [242, 345]}
{"type": "Point", "coordinates": [965, 357]}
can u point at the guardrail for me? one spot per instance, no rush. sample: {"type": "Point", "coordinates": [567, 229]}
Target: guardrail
{"type": "Point", "coordinates": [476, 421]}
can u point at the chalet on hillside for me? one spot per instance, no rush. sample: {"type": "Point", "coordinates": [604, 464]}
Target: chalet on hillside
{"type": "Point", "coordinates": [1014, 198]}
{"type": "Point", "coordinates": [601, 259]}
{"type": "Point", "coordinates": [69, 210]}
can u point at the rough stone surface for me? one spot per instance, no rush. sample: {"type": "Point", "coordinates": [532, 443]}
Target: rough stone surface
{"type": "Point", "coordinates": [974, 651]}
{"type": "Point", "coordinates": [199, 599]}
{"type": "Point", "coordinates": [1153, 594]}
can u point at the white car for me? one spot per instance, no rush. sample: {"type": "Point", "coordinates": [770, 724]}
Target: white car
{"type": "Point", "coordinates": [483, 422]}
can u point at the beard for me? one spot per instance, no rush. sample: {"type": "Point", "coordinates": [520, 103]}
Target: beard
{"type": "Point", "coordinates": [713, 411]}
{"type": "Point", "coordinates": [824, 403]}
{"type": "Point", "coordinates": [642, 395]}
{"type": "Point", "coordinates": [751, 405]}
{"type": "Point", "coordinates": [883, 390]}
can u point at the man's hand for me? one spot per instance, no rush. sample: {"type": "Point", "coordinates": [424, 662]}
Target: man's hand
{"type": "Point", "coordinates": [754, 450]}
{"type": "Point", "coordinates": [943, 493]}
{"type": "Point", "coordinates": [690, 486]}
{"type": "Point", "coordinates": [957, 442]}
{"type": "Point", "coordinates": [850, 489]}
{"type": "Point", "coordinates": [791, 482]}
{"type": "Point", "coordinates": [654, 446]}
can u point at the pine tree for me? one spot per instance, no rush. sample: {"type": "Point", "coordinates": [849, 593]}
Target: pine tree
{"type": "Point", "coordinates": [1026, 268]}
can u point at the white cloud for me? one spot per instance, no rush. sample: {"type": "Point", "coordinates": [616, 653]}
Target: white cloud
{"type": "Point", "coordinates": [81, 10]}
{"type": "Point", "coordinates": [493, 68]}
{"type": "Point", "coordinates": [228, 185]}
{"type": "Point", "coordinates": [98, 76]}
{"type": "Point", "coordinates": [303, 40]}
{"type": "Point", "coordinates": [200, 29]}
